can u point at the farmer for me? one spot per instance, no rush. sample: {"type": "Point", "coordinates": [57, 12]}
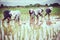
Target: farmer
{"type": "Point", "coordinates": [31, 12]}
{"type": "Point", "coordinates": [38, 12]}
{"type": "Point", "coordinates": [15, 15]}
{"type": "Point", "coordinates": [9, 14]}
{"type": "Point", "coordinates": [6, 16]}
{"type": "Point", "coordinates": [48, 12]}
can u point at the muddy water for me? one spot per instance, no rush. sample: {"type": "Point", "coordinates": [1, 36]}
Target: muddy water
{"type": "Point", "coordinates": [32, 32]}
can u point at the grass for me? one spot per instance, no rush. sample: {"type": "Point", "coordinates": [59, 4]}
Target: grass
{"type": "Point", "coordinates": [56, 11]}
{"type": "Point", "coordinates": [25, 11]}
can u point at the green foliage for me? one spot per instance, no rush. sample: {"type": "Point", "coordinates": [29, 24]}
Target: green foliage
{"type": "Point", "coordinates": [25, 11]}
{"type": "Point", "coordinates": [56, 11]}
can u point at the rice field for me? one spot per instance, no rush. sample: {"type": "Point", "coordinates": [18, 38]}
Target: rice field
{"type": "Point", "coordinates": [25, 31]}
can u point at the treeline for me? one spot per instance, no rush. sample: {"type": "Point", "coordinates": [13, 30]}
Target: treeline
{"type": "Point", "coordinates": [31, 5]}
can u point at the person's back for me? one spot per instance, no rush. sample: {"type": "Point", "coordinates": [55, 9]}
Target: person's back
{"type": "Point", "coordinates": [38, 11]}
{"type": "Point", "coordinates": [15, 13]}
{"type": "Point", "coordinates": [48, 10]}
{"type": "Point", "coordinates": [6, 13]}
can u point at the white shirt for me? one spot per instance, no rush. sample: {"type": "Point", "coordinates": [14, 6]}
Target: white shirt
{"type": "Point", "coordinates": [14, 13]}
{"type": "Point", "coordinates": [37, 11]}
